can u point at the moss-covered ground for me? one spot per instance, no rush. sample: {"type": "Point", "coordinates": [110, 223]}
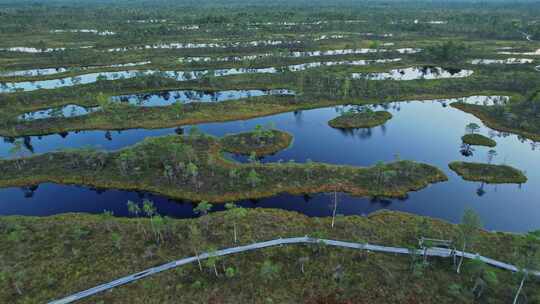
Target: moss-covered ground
{"type": "Point", "coordinates": [489, 173]}
{"type": "Point", "coordinates": [360, 120]}
{"type": "Point", "coordinates": [478, 140]}
{"type": "Point", "coordinates": [259, 142]}
{"type": "Point", "coordinates": [51, 257]}
{"type": "Point", "coordinates": [191, 167]}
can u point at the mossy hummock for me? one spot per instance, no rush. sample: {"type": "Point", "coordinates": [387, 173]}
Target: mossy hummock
{"type": "Point", "coordinates": [488, 173]}
{"type": "Point", "coordinates": [260, 143]}
{"type": "Point", "coordinates": [360, 120]}
{"type": "Point", "coordinates": [478, 140]}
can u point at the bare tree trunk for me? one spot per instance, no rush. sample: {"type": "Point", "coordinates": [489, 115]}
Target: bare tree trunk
{"type": "Point", "coordinates": [215, 270]}
{"type": "Point", "coordinates": [235, 235]}
{"type": "Point", "coordinates": [198, 260]}
{"type": "Point", "coordinates": [458, 270]}
{"type": "Point", "coordinates": [520, 288]}
{"type": "Point", "coordinates": [144, 231]}
{"type": "Point", "coordinates": [335, 208]}
{"type": "Point", "coordinates": [302, 268]}
{"type": "Point", "coordinates": [19, 291]}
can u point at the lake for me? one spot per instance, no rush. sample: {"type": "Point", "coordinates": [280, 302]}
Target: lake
{"type": "Point", "coordinates": [428, 131]}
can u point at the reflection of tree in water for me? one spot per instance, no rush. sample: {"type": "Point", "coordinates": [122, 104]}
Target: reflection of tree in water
{"type": "Point", "coordinates": [8, 140]}
{"type": "Point", "coordinates": [98, 190]}
{"type": "Point", "coordinates": [108, 135]}
{"type": "Point", "coordinates": [491, 155]}
{"type": "Point", "coordinates": [534, 145]}
{"type": "Point", "coordinates": [362, 133]}
{"type": "Point", "coordinates": [179, 130]}
{"type": "Point", "coordinates": [383, 202]}
{"type": "Point", "coordinates": [480, 191]}
{"type": "Point", "coordinates": [29, 191]}
{"type": "Point", "coordinates": [453, 71]}
{"type": "Point", "coordinates": [307, 198]}
{"type": "Point", "coordinates": [63, 134]}
{"type": "Point", "coordinates": [383, 129]}
{"type": "Point", "coordinates": [466, 150]}
{"type": "Point", "coordinates": [298, 117]}
{"type": "Point", "coordinates": [365, 133]}
{"type": "Point", "coordinates": [27, 141]}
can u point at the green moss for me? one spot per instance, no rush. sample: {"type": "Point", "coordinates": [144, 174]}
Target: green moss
{"type": "Point", "coordinates": [192, 168]}
{"type": "Point", "coordinates": [260, 143]}
{"type": "Point", "coordinates": [478, 140]}
{"type": "Point", "coordinates": [51, 257]}
{"type": "Point", "coordinates": [366, 119]}
{"type": "Point", "coordinates": [488, 173]}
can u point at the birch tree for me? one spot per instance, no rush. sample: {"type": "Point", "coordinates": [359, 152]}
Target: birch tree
{"type": "Point", "coordinates": [529, 259]}
{"type": "Point", "coordinates": [470, 224]}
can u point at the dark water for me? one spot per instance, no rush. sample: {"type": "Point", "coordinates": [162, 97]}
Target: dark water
{"type": "Point", "coordinates": [423, 131]}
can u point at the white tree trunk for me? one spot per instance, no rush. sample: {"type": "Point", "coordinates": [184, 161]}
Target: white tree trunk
{"type": "Point", "coordinates": [198, 260]}
{"type": "Point", "coordinates": [19, 291]}
{"type": "Point", "coordinates": [334, 211]}
{"type": "Point", "coordinates": [235, 235]}
{"type": "Point", "coordinates": [520, 288]}
{"type": "Point", "coordinates": [458, 270]}
{"type": "Point", "coordinates": [215, 270]}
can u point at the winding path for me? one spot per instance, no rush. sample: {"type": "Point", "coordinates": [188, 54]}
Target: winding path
{"type": "Point", "coordinates": [434, 251]}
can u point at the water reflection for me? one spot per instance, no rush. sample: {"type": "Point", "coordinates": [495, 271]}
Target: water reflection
{"type": "Point", "coordinates": [167, 98]}
{"type": "Point", "coordinates": [53, 71]}
{"type": "Point", "coordinates": [193, 45]}
{"type": "Point", "coordinates": [533, 53]}
{"type": "Point", "coordinates": [8, 87]}
{"type": "Point", "coordinates": [86, 31]}
{"type": "Point", "coordinates": [158, 99]}
{"type": "Point", "coordinates": [413, 73]}
{"type": "Point", "coordinates": [502, 61]}
{"type": "Point", "coordinates": [24, 49]}
{"type": "Point", "coordinates": [61, 112]}
{"type": "Point", "coordinates": [298, 54]}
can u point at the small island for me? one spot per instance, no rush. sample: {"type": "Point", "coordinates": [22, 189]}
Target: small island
{"type": "Point", "coordinates": [488, 173]}
{"type": "Point", "coordinates": [360, 119]}
{"type": "Point", "coordinates": [261, 141]}
{"type": "Point", "coordinates": [478, 140]}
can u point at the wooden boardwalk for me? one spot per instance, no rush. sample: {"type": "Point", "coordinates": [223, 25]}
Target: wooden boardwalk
{"type": "Point", "coordinates": [435, 251]}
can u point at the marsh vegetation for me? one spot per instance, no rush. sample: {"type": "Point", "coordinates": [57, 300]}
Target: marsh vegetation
{"type": "Point", "coordinates": [360, 106]}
